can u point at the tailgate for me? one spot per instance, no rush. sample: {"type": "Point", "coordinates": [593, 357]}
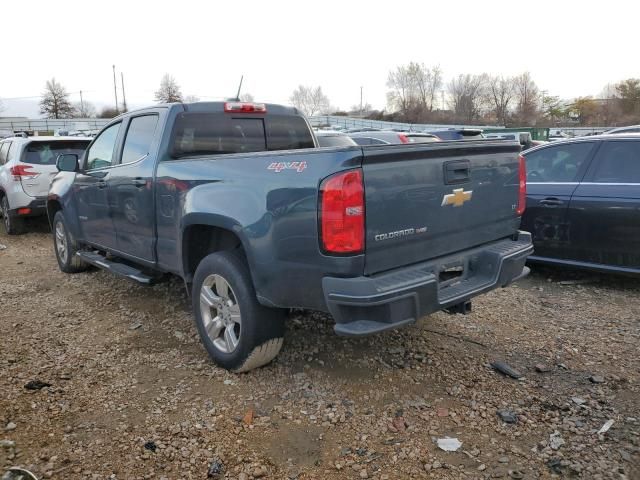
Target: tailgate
{"type": "Point", "coordinates": [423, 202]}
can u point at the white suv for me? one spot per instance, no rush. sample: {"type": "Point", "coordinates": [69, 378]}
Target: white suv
{"type": "Point", "coordinates": [27, 166]}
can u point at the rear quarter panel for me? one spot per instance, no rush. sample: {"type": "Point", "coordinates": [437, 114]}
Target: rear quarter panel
{"type": "Point", "coordinates": [270, 201]}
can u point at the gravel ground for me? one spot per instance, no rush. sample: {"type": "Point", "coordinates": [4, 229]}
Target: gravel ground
{"type": "Point", "coordinates": [132, 394]}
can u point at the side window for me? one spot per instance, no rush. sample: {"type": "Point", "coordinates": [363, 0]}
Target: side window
{"type": "Point", "coordinates": [139, 137]}
{"type": "Point", "coordinates": [362, 140]}
{"type": "Point", "coordinates": [4, 152]}
{"type": "Point", "coordinates": [559, 163]}
{"type": "Point", "coordinates": [618, 162]}
{"type": "Point", "coordinates": [101, 153]}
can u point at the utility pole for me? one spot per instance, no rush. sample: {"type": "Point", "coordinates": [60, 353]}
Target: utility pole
{"type": "Point", "coordinates": [81, 104]}
{"type": "Point", "coordinates": [115, 88]}
{"type": "Point", "coordinates": [239, 87]}
{"type": "Point", "coordinates": [442, 93]}
{"type": "Point", "coordinates": [360, 102]}
{"type": "Point", "coordinates": [124, 99]}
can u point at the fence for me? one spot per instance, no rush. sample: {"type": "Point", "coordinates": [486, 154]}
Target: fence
{"type": "Point", "coordinates": [52, 125]}
{"type": "Point", "coordinates": [350, 122]}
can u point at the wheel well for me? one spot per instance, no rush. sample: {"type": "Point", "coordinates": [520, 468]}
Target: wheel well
{"type": "Point", "coordinates": [53, 206]}
{"type": "Point", "coordinates": [198, 241]}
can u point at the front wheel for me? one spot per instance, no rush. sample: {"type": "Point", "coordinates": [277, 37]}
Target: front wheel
{"type": "Point", "coordinates": [238, 333]}
{"type": "Point", "coordinates": [65, 247]}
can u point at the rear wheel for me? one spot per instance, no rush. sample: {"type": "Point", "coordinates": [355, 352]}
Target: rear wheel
{"type": "Point", "coordinates": [238, 333]}
{"type": "Point", "coordinates": [12, 225]}
{"type": "Point", "coordinates": [65, 247]}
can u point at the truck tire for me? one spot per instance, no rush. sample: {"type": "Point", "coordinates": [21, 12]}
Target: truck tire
{"type": "Point", "coordinates": [238, 333]}
{"type": "Point", "coordinates": [65, 247]}
{"type": "Point", "coordinates": [13, 225]}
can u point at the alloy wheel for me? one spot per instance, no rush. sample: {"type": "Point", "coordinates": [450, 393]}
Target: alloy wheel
{"type": "Point", "coordinates": [61, 242]}
{"type": "Point", "coordinates": [220, 313]}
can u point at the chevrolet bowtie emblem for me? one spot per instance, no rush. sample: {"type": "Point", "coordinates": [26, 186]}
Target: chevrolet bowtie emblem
{"type": "Point", "coordinates": [457, 198]}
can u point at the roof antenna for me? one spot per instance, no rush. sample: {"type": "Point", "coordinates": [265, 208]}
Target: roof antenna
{"type": "Point", "coordinates": [239, 87]}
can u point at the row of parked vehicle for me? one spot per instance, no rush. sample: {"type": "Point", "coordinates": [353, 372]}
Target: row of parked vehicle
{"type": "Point", "coordinates": [258, 214]}
{"type": "Point", "coordinates": [583, 193]}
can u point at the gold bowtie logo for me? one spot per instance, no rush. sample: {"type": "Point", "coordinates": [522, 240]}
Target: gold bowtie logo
{"type": "Point", "coordinates": [457, 198]}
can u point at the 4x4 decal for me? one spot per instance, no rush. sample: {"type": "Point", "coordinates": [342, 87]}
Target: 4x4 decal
{"type": "Point", "coordinates": [279, 166]}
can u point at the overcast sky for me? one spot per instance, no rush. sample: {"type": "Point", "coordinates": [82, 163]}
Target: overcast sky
{"type": "Point", "coordinates": [571, 48]}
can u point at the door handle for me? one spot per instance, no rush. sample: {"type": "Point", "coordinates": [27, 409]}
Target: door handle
{"type": "Point", "coordinates": [551, 202]}
{"type": "Point", "coordinates": [102, 184]}
{"type": "Point", "coordinates": [139, 182]}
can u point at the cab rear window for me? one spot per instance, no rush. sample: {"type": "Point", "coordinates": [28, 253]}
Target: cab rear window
{"type": "Point", "coordinates": [196, 133]}
{"type": "Point", "coordinates": [46, 153]}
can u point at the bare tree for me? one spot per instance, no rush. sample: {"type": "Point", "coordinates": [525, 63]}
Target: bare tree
{"type": "Point", "coordinates": [610, 108]}
{"type": "Point", "coordinates": [467, 96]}
{"type": "Point", "coordinates": [427, 82]}
{"type": "Point", "coordinates": [169, 91]}
{"type": "Point", "coordinates": [527, 95]}
{"type": "Point", "coordinates": [500, 92]}
{"type": "Point", "coordinates": [108, 112]}
{"type": "Point", "coordinates": [1, 106]}
{"type": "Point", "coordinates": [402, 94]}
{"type": "Point", "coordinates": [84, 110]}
{"type": "Point", "coordinates": [247, 97]}
{"type": "Point", "coordinates": [55, 101]}
{"type": "Point", "coordinates": [312, 101]}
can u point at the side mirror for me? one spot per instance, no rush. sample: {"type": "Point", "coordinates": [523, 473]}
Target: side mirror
{"type": "Point", "coordinates": [67, 162]}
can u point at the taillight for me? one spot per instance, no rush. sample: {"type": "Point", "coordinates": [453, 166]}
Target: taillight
{"type": "Point", "coordinates": [244, 107]}
{"type": "Point", "coordinates": [342, 213]}
{"type": "Point", "coordinates": [403, 138]}
{"type": "Point", "coordinates": [522, 185]}
{"type": "Point", "coordinates": [23, 172]}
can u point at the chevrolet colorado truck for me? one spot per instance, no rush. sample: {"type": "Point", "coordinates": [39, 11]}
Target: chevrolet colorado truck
{"type": "Point", "coordinates": [239, 201]}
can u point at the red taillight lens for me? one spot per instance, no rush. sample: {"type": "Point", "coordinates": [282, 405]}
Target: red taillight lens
{"type": "Point", "coordinates": [243, 107]}
{"type": "Point", "coordinates": [342, 213]}
{"type": "Point", "coordinates": [22, 171]}
{"type": "Point", "coordinates": [522, 186]}
{"type": "Point", "coordinates": [24, 211]}
{"type": "Point", "coordinates": [403, 138]}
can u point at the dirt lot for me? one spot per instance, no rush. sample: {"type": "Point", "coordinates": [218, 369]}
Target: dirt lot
{"type": "Point", "coordinates": [133, 395]}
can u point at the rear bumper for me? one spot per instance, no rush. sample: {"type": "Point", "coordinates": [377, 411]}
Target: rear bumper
{"type": "Point", "coordinates": [366, 305]}
{"type": "Point", "coordinates": [37, 207]}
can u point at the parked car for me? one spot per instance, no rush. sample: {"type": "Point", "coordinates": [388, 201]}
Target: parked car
{"type": "Point", "coordinates": [583, 202]}
{"type": "Point", "coordinates": [27, 166]}
{"type": "Point", "coordinates": [382, 137]}
{"type": "Point", "coordinates": [559, 135]}
{"type": "Point", "coordinates": [329, 138]}
{"type": "Point", "coordinates": [458, 134]}
{"type": "Point", "coordinates": [523, 137]}
{"type": "Point", "coordinates": [629, 129]}
{"type": "Point", "coordinates": [237, 199]}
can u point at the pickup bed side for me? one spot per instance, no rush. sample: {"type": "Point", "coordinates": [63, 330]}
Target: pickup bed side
{"type": "Point", "coordinates": [273, 215]}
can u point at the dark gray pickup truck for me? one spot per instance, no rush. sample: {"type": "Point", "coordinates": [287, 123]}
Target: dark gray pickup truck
{"type": "Point", "coordinates": [239, 201]}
